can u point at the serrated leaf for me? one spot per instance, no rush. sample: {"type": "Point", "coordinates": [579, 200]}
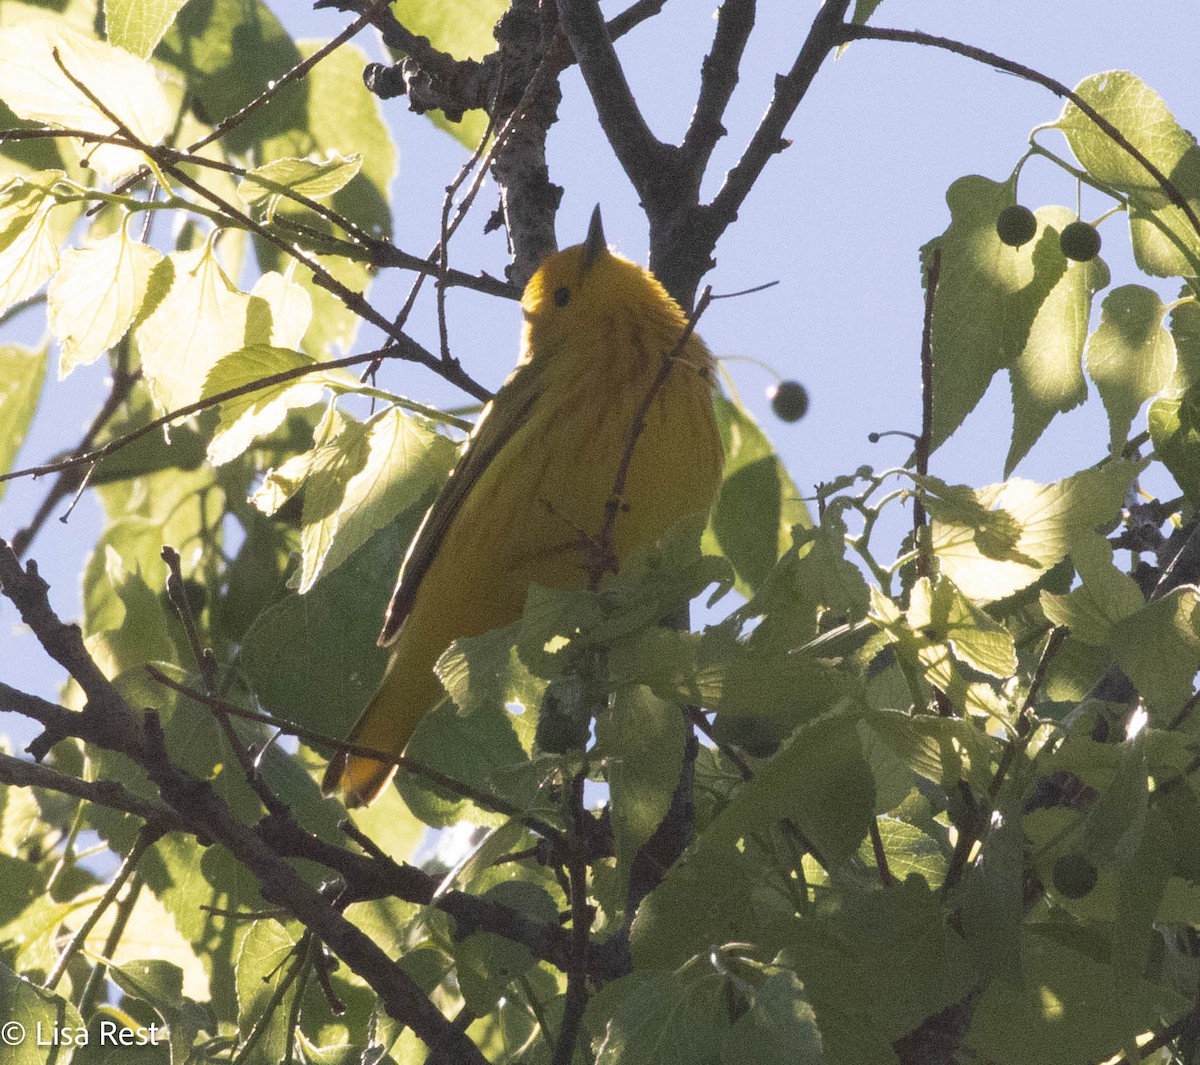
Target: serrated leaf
{"type": "Point", "coordinates": [22, 374]}
{"type": "Point", "coordinates": [25, 1004]}
{"type": "Point", "coordinates": [1146, 122]}
{"type": "Point", "coordinates": [889, 957]}
{"type": "Point", "coordinates": [138, 25]}
{"type": "Point", "coordinates": [28, 244]}
{"type": "Point", "coordinates": [758, 504]}
{"type": "Point", "coordinates": [289, 303]}
{"type": "Point", "coordinates": [1024, 527]}
{"type": "Point", "coordinates": [266, 185]}
{"type": "Point", "coordinates": [263, 956]}
{"type": "Point", "coordinates": [1047, 374]}
{"type": "Point", "coordinates": [668, 1019]}
{"type": "Point", "coordinates": [1065, 1009]}
{"type": "Point", "coordinates": [96, 295]}
{"type": "Point", "coordinates": [1105, 597]}
{"type": "Point", "coordinates": [1159, 648]}
{"type": "Point", "coordinates": [641, 738]}
{"type": "Point", "coordinates": [946, 616]}
{"type": "Point", "coordinates": [779, 1028]}
{"type": "Point", "coordinates": [463, 29]}
{"type": "Point", "coordinates": [382, 469]}
{"type": "Point", "coordinates": [201, 319]}
{"type": "Point", "coordinates": [34, 86]}
{"type": "Point", "coordinates": [990, 298]}
{"type": "Point", "coordinates": [1174, 423]}
{"type": "Point", "coordinates": [246, 417]}
{"type": "Point", "coordinates": [333, 112]}
{"type": "Point", "coordinates": [1131, 357]}
{"type": "Point", "coordinates": [820, 781]}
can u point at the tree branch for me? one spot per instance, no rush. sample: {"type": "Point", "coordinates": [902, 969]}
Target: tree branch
{"type": "Point", "coordinates": [718, 79]}
{"type": "Point", "coordinates": [827, 32]}
{"type": "Point", "coordinates": [642, 155]}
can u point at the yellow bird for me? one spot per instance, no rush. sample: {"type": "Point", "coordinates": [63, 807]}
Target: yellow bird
{"type": "Point", "coordinates": [528, 500]}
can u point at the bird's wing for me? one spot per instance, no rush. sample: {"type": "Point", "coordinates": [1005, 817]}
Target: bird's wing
{"type": "Point", "coordinates": [499, 420]}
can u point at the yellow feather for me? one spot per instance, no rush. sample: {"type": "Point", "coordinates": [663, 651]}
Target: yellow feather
{"type": "Point", "coordinates": [527, 501]}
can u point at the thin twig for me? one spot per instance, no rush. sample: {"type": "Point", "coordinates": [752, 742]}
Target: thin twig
{"type": "Point", "coordinates": [118, 391]}
{"type": "Point", "coordinates": [825, 34]}
{"type": "Point", "coordinates": [641, 154]}
{"type": "Point", "coordinates": [150, 834]}
{"type": "Point", "coordinates": [601, 561]}
{"type": "Point", "coordinates": [581, 925]}
{"type": "Point", "coordinates": [19, 773]}
{"type": "Point", "coordinates": [485, 800]}
{"type": "Point", "coordinates": [354, 301]}
{"type": "Point", "coordinates": [91, 989]}
{"type": "Point", "coordinates": [1024, 719]}
{"type": "Point", "coordinates": [921, 540]}
{"type": "Point", "coordinates": [875, 33]}
{"type": "Point", "coordinates": [114, 445]}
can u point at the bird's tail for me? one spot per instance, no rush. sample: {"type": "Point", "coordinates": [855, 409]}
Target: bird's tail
{"type": "Point", "coordinates": [408, 690]}
{"type": "Point", "coordinates": [358, 778]}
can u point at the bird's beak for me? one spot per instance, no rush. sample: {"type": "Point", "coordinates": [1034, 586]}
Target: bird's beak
{"type": "Point", "coordinates": [595, 245]}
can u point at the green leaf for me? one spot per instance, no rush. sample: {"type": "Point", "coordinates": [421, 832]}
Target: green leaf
{"type": "Point", "coordinates": [1143, 880]}
{"type": "Point", "coordinates": [1174, 423]}
{"type": "Point", "coordinates": [227, 52]}
{"type": "Point", "coordinates": [820, 782]}
{"type": "Point", "coordinates": [28, 1006]}
{"type": "Point", "coordinates": [863, 10]}
{"type": "Point", "coordinates": [1047, 374]}
{"type": "Point", "coordinates": [333, 114]}
{"type": "Point", "coordinates": [887, 959]}
{"type": "Point", "coordinates": [28, 245]}
{"type": "Point", "coordinates": [312, 658]}
{"type": "Point", "coordinates": [37, 89]}
{"type": "Point", "coordinates": [264, 186]}
{"type": "Point", "coordinates": [96, 295]}
{"type": "Point", "coordinates": [1065, 1009]}
{"type": "Point", "coordinates": [946, 616]}
{"type": "Point", "coordinates": [200, 320]}
{"type": "Point", "coordinates": [480, 751]}
{"type": "Point", "coordinates": [641, 737]}
{"type": "Point", "coordinates": [779, 1028]}
{"type": "Point", "coordinates": [941, 749]}
{"type": "Point", "coordinates": [668, 1019]}
{"type": "Point", "coordinates": [1106, 596]}
{"type": "Point", "coordinates": [356, 480]}
{"type": "Point", "coordinates": [1000, 307]}
{"type": "Point", "coordinates": [758, 504]}
{"type": "Point", "coordinates": [909, 850]}
{"type": "Point", "coordinates": [1165, 243]}
{"type": "Point", "coordinates": [996, 540]}
{"type": "Point", "coordinates": [253, 414]}
{"type": "Point", "coordinates": [138, 25]}
{"type": "Point", "coordinates": [993, 902]}
{"type": "Point", "coordinates": [1131, 357]}
{"type": "Point", "coordinates": [1159, 648]}
{"type": "Point", "coordinates": [264, 955]}
{"type": "Point", "coordinates": [405, 462]}
{"type": "Point", "coordinates": [22, 374]}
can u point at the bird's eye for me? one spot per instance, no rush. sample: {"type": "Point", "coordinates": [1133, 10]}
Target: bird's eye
{"type": "Point", "coordinates": [562, 296]}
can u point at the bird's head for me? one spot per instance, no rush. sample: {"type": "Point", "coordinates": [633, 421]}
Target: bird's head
{"type": "Point", "coordinates": [576, 294]}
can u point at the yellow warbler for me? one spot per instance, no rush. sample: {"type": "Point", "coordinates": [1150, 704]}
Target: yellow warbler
{"type": "Point", "coordinates": [534, 497]}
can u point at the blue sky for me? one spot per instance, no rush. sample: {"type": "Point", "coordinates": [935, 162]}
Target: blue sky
{"type": "Point", "coordinates": [837, 220]}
